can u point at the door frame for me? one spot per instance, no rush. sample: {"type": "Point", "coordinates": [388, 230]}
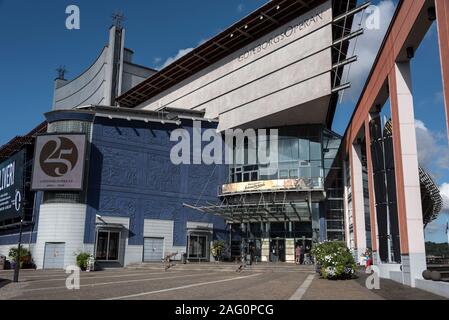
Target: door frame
{"type": "Point", "coordinates": [197, 235]}
{"type": "Point", "coordinates": [107, 249]}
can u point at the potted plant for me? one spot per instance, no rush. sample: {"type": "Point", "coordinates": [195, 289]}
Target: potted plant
{"type": "Point", "coordinates": [83, 260]}
{"type": "Point", "coordinates": [24, 258]}
{"type": "Point", "coordinates": [217, 248]}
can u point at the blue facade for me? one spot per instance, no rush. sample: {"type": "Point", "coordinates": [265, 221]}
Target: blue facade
{"type": "Point", "coordinates": [131, 175]}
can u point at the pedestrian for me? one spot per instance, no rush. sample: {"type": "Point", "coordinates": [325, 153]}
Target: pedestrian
{"type": "Point", "coordinates": [252, 252]}
{"type": "Point", "coordinates": [368, 259]}
{"type": "Point", "coordinates": [297, 254]}
{"type": "Point", "coordinates": [301, 255]}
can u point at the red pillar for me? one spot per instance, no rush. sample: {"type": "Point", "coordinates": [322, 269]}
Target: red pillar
{"type": "Point", "coordinates": [442, 10]}
{"type": "Point", "coordinates": [372, 206]}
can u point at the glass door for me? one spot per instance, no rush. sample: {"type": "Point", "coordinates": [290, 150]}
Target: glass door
{"type": "Point", "coordinates": [107, 247]}
{"type": "Point", "coordinates": [198, 247]}
{"type": "Point", "coordinates": [277, 253]}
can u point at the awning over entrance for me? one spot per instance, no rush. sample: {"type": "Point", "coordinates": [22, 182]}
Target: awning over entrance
{"type": "Point", "coordinates": [261, 207]}
{"type": "Point", "coordinates": [116, 226]}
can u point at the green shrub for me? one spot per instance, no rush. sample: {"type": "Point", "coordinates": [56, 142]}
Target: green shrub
{"type": "Point", "coordinates": [217, 248]}
{"type": "Point", "coordinates": [25, 256]}
{"type": "Point", "coordinates": [82, 260]}
{"type": "Point", "coordinates": [334, 260]}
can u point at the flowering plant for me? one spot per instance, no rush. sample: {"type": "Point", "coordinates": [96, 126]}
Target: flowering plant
{"type": "Point", "coordinates": [217, 248]}
{"type": "Point", "coordinates": [334, 260]}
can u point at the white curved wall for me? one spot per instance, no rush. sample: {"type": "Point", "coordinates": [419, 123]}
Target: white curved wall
{"type": "Point", "coordinates": [60, 223]}
{"type": "Point", "coordinates": [95, 85]}
{"type": "Point", "coordinates": [88, 88]}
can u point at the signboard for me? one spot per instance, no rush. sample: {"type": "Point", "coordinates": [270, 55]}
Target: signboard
{"type": "Point", "coordinates": [59, 162]}
{"type": "Point", "coordinates": [272, 185]}
{"type": "Point", "coordinates": [11, 186]}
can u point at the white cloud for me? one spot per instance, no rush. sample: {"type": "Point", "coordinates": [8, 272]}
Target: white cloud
{"type": "Point", "coordinates": [433, 153]}
{"type": "Point", "coordinates": [444, 191]}
{"type": "Point", "coordinates": [180, 54]}
{"type": "Point", "coordinates": [240, 8]}
{"type": "Point", "coordinates": [366, 48]}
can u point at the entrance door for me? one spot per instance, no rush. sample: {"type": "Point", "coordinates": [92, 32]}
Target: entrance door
{"type": "Point", "coordinates": [277, 250]}
{"type": "Point", "coordinates": [108, 243]}
{"type": "Point", "coordinates": [54, 255]}
{"type": "Point", "coordinates": [198, 247]}
{"type": "Point", "coordinates": [255, 249]}
{"type": "Point", "coordinates": [153, 249]}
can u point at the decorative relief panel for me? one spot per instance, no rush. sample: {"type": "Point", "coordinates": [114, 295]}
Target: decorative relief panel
{"type": "Point", "coordinates": [161, 174]}
{"type": "Point", "coordinates": [203, 180]}
{"type": "Point", "coordinates": [124, 133]}
{"type": "Point", "coordinates": [119, 167]}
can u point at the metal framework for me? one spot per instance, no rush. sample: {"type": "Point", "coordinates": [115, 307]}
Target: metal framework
{"type": "Point", "coordinates": [431, 199]}
{"type": "Point", "coordinates": [257, 24]}
{"type": "Point", "coordinates": [290, 206]}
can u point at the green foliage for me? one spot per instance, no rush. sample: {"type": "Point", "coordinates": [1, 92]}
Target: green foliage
{"type": "Point", "coordinates": [437, 249]}
{"type": "Point", "coordinates": [217, 248]}
{"type": "Point", "coordinates": [82, 260]}
{"type": "Point", "coordinates": [334, 260]}
{"type": "Point", "coordinates": [25, 256]}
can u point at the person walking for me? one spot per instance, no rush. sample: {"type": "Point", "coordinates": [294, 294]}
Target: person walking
{"type": "Point", "coordinates": [297, 254]}
{"type": "Point", "coordinates": [301, 255]}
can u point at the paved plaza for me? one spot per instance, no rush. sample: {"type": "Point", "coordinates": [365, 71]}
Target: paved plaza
{"type": "Point", "coordinates": [199, 282]}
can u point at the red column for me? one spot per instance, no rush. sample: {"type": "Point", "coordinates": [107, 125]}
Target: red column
{"type": "Point", "coordinates": [442, 10]}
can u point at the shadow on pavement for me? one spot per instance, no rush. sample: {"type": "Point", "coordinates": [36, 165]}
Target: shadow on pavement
{"type": "Point", "coordinates": [391, 290]}
{"type": "Point", "coordinates": [4, 282]}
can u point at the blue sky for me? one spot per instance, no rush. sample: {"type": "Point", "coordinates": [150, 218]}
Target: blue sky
{"type": "Point", "coordinates": [35, 42]}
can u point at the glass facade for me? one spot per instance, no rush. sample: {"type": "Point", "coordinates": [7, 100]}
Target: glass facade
{"type": "Point", "coordinates": [300, 155]}
{"type": "Point", "coordinates": [305, 152]}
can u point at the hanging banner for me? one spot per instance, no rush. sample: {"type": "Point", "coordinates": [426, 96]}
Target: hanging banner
{"type": "Point", "coordinates": [11, 186]}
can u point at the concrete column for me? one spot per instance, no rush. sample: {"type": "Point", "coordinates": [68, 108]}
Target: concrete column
{"type": "Point", "coordinates": [442, 10]}
{"type": "Point", "coordinates": [372, 201]}
{"type": "Point", "coordinates": [358, 209]}
{"type": "Point", "coordinates": [407, 174]}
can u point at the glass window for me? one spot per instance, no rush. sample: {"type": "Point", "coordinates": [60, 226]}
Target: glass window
{"type": "Point", "coordinates": [254, 176]}
{"type": "Point", "coordinates": [107, 246]}
{"type": "Point", "coordinates": [238, 177]}
{"type": "Point", "coordinates": [113, 245]}
{"type": "Point", "coordinates": [283, 174]}
{"type": "Point", "coordinates": [315, 150]}
{"type": "Point", "coordinates": [304, 151]}
{"type": "Point", "coordinates": [294, 173]}
{"type": "Point", "coordinates": [305, 172]}
{"type": "Point", "coordinates": [285, 152]}
{"type": "Point", "coordinates": [102, 246]}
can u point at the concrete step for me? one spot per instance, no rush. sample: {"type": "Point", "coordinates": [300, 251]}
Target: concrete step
{"type": "Point", "coordinates": [440, 268]}
{"type": "Point", "coordinates": [228, 267]}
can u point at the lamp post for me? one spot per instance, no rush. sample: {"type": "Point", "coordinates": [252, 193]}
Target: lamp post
{"type": "Point", "coordinates": [447, 231]}
{"type": "Point", "coordinates": [19, 248]}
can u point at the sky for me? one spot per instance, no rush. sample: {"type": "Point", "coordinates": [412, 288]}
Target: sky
{"type": "Point", "coordinates": [35, 42]}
